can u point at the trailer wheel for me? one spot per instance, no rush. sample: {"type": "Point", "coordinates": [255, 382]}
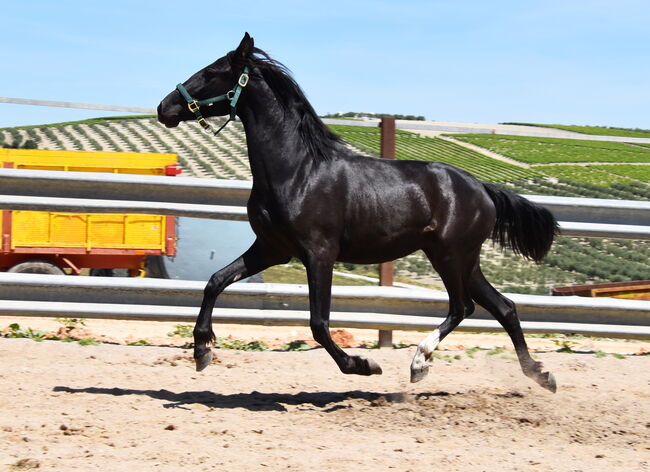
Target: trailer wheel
{"type": "Point", "coordinates": [36, 267]}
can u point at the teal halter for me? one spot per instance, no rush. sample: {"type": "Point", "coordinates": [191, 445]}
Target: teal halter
{"type": "Point", "coordinates": [232, 96]}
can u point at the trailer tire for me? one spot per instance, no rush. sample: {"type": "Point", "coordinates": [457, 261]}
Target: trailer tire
{"type": "Point", "coordinates": [155, 267]}
{"type": "Point", "coordinates": [36, 267]}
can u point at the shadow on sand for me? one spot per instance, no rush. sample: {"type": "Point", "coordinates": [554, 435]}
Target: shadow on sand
{"type": "Point", "coordinates": [253, 401]}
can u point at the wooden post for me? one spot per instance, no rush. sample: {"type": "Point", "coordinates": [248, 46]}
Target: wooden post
{"type": "Point", "coordinates": [387, 144]}
{"type": "Point", "coordinates": [385, 339]}
{"type": "Point", "coordinates": [386, 270]}
{"type": "Point", "coordinates": [386, 274]}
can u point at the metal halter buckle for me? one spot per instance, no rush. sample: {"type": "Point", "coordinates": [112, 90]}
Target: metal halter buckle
{"type": "Point", "coordinates": [193, 106]}
{"type": "Point", "coordinates": [204, 124]}
{"type": "Point", "coordinates": [243, 80]}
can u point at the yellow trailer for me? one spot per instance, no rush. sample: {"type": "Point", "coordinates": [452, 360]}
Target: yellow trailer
{"type": "Point", "coordinates": [56, 243]}
{"type": "Point", "coordinates": [91, 161]}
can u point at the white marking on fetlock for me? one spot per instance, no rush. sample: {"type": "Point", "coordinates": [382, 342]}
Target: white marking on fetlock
{"type": "Point", "coordinates": [419, 365]}
{"type": "Point", "coordinates": [428, 345]}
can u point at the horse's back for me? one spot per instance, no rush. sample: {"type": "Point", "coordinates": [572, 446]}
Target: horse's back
{"type": "Point", "coordinates": [426, 184]}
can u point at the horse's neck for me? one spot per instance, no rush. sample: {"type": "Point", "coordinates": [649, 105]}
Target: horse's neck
{"type": "Point", "coordinates": [275, 149]}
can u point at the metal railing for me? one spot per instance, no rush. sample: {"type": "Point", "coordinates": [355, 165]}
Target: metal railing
{"type": "Point", "coordinates": [226, 199]}
{"type": "Point", "coordinates": [383, 308]}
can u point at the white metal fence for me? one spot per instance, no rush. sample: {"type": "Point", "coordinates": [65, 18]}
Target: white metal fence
{"type": "Point", "coordinates": [23, 189]}
{"type": "Point", "coordinates": [382, 308]}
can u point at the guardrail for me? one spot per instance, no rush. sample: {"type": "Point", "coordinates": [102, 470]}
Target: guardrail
{"type": "Point", "coordinates": [238, 213]}
{"type": "Point", "coordinates": [129, 187]}
{"type": "Point", "coordinates": [226, 199]}
{"type": "Point", "coordinates": [82, 205]}
{"type": "Point", "coordinates": [382, 308]}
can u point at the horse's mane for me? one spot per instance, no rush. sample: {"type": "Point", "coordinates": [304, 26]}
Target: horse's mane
{"type": "Point", "coordinates": [319, 140]}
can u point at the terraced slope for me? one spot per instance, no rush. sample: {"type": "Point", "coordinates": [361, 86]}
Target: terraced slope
{"type": "Point", "coordinates": [199, 154]}
{"type": "Point", "coordinates": [575, 168]}
{"type": "Point", "coordinates": [534, 150]}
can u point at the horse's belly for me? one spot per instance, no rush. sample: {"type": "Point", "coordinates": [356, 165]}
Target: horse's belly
{"type": "Point", "coordinates": [377, 250]}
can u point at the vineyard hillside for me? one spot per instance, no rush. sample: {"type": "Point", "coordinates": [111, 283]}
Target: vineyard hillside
{"type": "Point", "coordinates": [525, 165]}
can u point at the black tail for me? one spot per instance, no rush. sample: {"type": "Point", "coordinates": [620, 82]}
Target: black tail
{"type": "Point", "coordinates": [526, 228]}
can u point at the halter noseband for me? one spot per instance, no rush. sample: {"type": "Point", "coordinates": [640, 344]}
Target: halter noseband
{"type": "Point", "coordinates": [232, 96]}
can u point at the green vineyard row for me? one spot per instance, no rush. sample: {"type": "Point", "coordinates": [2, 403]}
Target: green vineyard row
{"type": "Point", "coordinates": [413, 147]}
{"type": "Point", "coordinates": [533, 150]}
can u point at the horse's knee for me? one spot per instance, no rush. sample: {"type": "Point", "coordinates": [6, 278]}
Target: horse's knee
{"type": "Point", "coordinates": [215, 285]}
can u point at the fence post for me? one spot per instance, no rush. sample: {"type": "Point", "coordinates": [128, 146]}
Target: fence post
{"type": "Point", "coordinates": [386, 270]}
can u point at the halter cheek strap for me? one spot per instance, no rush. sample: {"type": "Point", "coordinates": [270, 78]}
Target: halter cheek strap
{"type": "Point", "coordinates": [232, 97]}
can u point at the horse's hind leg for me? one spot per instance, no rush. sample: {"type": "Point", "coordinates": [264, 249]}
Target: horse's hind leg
{"type": "Point", "coordinates": [504, 311]}
{"type": "Point", "coordinates": [319, 276]}
{"type": "Point", "coordinates": [454, 267]}
{"type": "Point", "coordinates": [253, 261]}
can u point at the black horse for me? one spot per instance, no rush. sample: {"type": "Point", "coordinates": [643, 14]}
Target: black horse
{"type": "Point", "coordinates": [318, 201]}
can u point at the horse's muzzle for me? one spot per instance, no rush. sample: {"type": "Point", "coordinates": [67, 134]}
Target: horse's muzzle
{"type": "Point", "coordinates": [168, 115]}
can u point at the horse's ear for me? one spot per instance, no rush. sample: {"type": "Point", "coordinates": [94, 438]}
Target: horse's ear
{"type": "Point", "coordinates": [245, 48]}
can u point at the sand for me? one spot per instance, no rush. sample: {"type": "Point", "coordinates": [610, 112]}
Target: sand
{"type": "Point", "coordinates": [64, 406]}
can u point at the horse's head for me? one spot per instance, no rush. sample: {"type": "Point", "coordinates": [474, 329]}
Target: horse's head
{"type": "Point", "coordinates": [212, 91]}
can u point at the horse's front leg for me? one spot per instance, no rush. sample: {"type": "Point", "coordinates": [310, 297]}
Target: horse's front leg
{"type": "Point", "coordinates": [319, 276]}
{"type": "Point", "coordinates": [253, 261]}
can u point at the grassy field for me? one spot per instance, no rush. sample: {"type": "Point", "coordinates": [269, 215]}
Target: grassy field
{"type": "Point", "coordinates": [641, 173]}
{"type": "Point", "coordinates": [414, 147]}
{"type": "Point", "coordinates": [595, 130]}
{"type": "Point", "coordinates": [532, 150]}
{"type": "Point", "coordinates": [570, 188]}
{"type": "Point", "coordinates": [586, 175]}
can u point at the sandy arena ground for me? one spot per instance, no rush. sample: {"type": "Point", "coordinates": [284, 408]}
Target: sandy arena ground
{"type": "Point", "coordinates": [111, 407]}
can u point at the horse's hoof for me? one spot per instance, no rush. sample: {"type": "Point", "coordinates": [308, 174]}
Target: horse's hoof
{"type": "Point", "coordinates": [547, 381]}
{"type": "Point", "coordinates": [203, 360]}
{"type": "Point", "coordinates": [419, 372]}
{"type": "Point", "coordinates": [361, 366]}
{"type": "Point", "coordinates": [373, 367]}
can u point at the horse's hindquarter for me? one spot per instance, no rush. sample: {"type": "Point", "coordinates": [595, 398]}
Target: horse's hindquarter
{"type": "Point", "coordinates": [408, 205]}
